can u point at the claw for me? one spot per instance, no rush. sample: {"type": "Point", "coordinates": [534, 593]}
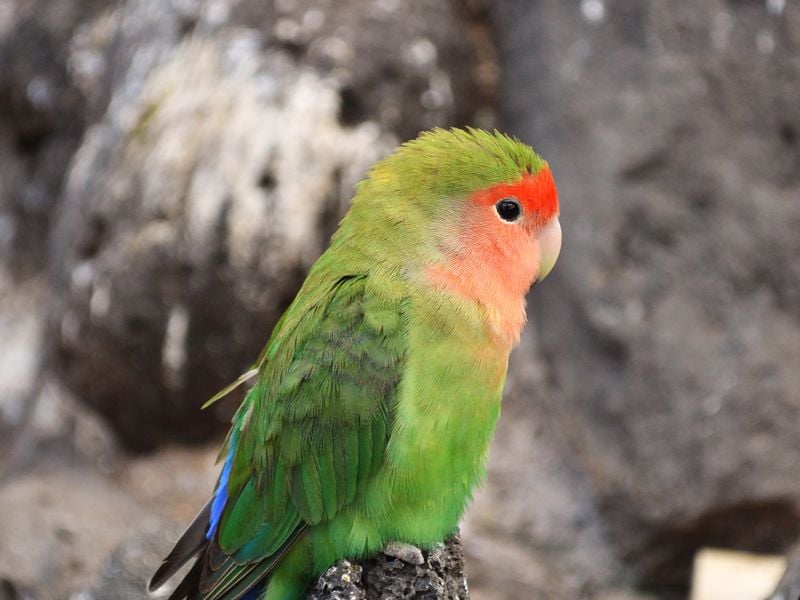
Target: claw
{"type": "Point", "coordinates": [408, 553]}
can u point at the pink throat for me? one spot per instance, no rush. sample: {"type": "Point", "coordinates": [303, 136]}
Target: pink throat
{"type": "Point", "coordinates": [495, 276]}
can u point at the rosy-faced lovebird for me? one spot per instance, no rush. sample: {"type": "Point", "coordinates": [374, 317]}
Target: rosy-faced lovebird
{"type": "Point", "coordinates": [377, 394]}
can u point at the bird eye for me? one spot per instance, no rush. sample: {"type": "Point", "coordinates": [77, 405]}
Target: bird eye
{"type": "Point", "coordinates": [509, 209]}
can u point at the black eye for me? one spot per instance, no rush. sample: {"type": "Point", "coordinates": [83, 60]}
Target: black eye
{"type": "Point", "coordinates": [509, 209]}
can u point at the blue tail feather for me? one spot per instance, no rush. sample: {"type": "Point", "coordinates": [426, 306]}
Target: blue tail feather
{"type": "Point", "coordinates": [221, 493]}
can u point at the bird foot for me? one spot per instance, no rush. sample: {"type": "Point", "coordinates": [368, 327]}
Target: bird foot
{"type": "Point", "coordinates": [408, 553]}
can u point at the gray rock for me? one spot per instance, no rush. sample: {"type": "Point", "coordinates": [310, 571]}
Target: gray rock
{"type": "Point", "coordinates": [665, 394]}
{"type": "Point", "coordinates": [11, 591]}
{"type": "Point", "coordinates": [408, 66]}
{"type": "Point", "coordinates": [42, 116]}
{"type": "Point", "coordinates": [439, 577]}
{"type": "Point", "coordinates": [21, 324]}
{"type": "Point", "coordinates": [342, 581]}
{"type": "Point", "coordinates": [124, 575]}
{"type": "Point", "coordinates": [56, 526]}
{"type": "Point", "coordinates": [78, 523]}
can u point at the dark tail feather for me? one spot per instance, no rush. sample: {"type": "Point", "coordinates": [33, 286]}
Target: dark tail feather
{"type": "Point", "coordinates": [189, 584]}
{"type": "Point", "coordinates": [229, 580]}
{"type": "Point", "coordinates": [190, 543]}
{"type": "Point", "coordinates": [238, 580]}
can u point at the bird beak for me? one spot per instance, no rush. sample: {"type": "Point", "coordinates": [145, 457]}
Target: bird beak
{"type": "Point", "coordinates": [549, 246]}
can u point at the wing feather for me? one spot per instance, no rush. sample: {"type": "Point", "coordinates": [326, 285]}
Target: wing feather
{"type": "Point", "coordinates": [309, 435]}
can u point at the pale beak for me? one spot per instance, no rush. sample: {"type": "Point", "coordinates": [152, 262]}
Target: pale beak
{"type": "Point", "coordinates": [549, 246]}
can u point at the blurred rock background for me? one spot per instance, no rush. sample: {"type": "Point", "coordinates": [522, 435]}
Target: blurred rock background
{"type": "Point", "coordinates": [170, 168]}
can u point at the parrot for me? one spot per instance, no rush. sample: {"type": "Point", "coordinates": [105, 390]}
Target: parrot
{"type": "Point", "coordinates": [373, 403]}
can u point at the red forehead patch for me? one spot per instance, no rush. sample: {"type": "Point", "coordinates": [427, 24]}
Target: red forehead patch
{"type": "Point", "coordinates": [537, 193]}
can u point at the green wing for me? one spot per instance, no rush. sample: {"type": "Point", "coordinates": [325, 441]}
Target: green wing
{"type": "Point", "coordinates": [312, 430]}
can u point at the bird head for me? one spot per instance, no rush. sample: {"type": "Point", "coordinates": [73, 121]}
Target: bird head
{"type": "Point", "coordinates": [471, 212]}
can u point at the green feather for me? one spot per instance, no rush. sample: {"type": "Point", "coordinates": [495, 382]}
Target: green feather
{"type": "Point", "coordinates": [230, 387]}
{"type": "Point", "coordinates": [305, 448]}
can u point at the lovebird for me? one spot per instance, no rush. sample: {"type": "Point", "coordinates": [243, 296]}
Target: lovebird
{"type": "Point", "coordinates": [376, 396]}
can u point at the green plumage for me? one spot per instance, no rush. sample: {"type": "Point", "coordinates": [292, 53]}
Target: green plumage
{"type": "Point", "coordinates": [376, 395]}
